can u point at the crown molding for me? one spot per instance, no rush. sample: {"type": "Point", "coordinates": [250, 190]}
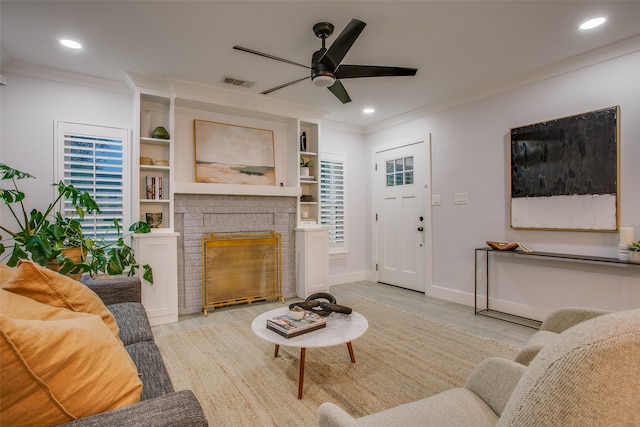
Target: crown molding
{"type": "Point", "coordinates": [596, 56]}
{"type": "Point", "coordinates": [62, 76]}
{"type": "Point", "coordinates": [344, 127]}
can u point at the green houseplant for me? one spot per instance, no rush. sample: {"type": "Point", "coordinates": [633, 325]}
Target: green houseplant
{"type": "Point", "coordinates": [634, 252]}
{"type": "Point", "coordinates": [44, 236]}
{"type": "Point", "coordinates": [305, 164]}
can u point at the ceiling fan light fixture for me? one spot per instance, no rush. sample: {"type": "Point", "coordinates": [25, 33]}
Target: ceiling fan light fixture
{"type": "Point", "coordinates": [324, 81]}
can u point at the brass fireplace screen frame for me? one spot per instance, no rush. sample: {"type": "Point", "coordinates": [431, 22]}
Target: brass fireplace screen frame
{"type": "Point", "coordinates": [241, 268]}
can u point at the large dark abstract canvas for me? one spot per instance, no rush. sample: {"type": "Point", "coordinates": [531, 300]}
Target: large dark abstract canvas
{"type": "Point", "coordinates": [564, 173]}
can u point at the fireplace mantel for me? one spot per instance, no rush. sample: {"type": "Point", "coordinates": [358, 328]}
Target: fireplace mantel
{"type": "Point", "coordinates": [237, 190]}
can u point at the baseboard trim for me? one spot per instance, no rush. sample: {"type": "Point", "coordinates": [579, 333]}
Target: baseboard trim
{"type": "Point", "coordinates": [340, 279]}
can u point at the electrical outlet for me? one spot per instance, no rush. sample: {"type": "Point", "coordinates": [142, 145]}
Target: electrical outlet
{"type": "Point", "coordinates": [478, 276]}
{"type": "Point", "coordinates": [435, 200]}
{"type": "Point", "coordinates": [460, 198]}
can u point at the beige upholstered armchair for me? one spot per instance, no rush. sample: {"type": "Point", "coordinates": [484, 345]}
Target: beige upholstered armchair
{"type": "Point", "coordinates": [556, 322]}
{"type": "Point", "coordinates": [589, 375]}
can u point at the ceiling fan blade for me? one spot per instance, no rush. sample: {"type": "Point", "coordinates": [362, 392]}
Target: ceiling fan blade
{"type": "Point", "coordinates": [266, 55]}
{"type": "Point", "coordinates": [357, 71]}
{"type": "Point", "coordinates": [342, 44]}
{"type": "Point", "coordinates": [283, 85]}
{"type": "Point", "coordinates": [340, 92]}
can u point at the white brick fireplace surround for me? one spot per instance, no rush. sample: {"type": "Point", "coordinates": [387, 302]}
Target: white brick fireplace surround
{"type": "Point", "coordinates": [198, 215]}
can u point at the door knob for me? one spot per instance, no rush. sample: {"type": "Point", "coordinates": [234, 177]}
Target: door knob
{"type": "Point", "coordinates": [420, 229]}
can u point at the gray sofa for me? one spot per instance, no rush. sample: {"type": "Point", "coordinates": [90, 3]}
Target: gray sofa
{"type": "Point", "coordinates": [159, 404]}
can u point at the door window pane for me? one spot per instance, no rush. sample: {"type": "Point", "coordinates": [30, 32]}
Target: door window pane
{"type": "Point", "coordinates": [399, 171]}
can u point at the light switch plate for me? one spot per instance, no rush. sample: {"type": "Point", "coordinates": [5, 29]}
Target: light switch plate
{"type": "Point", "coordinates": [460, 198]}
{"type": "Point", "coordinates": [435, 200]}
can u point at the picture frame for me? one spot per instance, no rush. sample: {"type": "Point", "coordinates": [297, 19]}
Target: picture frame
{"type": "Point", "coordinates": [233, 154]}
{"type": "Point", "coordinates": [564, 173]}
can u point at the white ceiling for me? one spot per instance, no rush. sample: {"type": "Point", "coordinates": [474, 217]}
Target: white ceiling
{"type": "Point", "coordinates": [459, 47]}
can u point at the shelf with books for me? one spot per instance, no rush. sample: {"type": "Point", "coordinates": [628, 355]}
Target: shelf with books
{"type": "Point", "coordinates": [154, 153]}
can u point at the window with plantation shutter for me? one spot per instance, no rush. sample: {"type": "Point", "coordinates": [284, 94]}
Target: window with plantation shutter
{"type": "Point", "coordinates": [332, 200]}
{"type": "Point", "coordinates": [93, 159]}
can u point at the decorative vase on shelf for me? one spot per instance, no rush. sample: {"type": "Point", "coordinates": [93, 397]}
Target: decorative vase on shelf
{"type": "Point", "coordinates": [303, 141]}
{"type": "Point", "coordinates": [304, 171]}
{"type": "Point", "coordinates": [160, 133]}
{"type": "Point", "coordinates": [634, 256]}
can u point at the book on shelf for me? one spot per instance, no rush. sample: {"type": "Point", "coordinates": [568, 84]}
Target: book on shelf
{"type": "Point", "coordinates": [307, 178]}
{"type": "Point", "coordinates": [153, 187]}
{"type": "Point", "coordinates": [288, 327]}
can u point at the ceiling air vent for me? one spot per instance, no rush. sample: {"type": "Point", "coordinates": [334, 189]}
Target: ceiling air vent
{"type": "Point", "coordinates": [238, 82]}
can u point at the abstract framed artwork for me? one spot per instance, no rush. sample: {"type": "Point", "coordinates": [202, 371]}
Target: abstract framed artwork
{"type": "Point", "coordinates": [564, 173]}
{"type": "Point", "coordinates": [232, 154]}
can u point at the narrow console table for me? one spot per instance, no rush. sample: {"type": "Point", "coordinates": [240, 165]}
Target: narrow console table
{"type": "Point", "coordinates": [487, 311]}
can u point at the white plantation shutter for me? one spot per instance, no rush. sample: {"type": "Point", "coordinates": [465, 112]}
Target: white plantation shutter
{"type": "Point", "coordinates": [332, 200]}
{"type": "Point", "coordinates": [93, 159]}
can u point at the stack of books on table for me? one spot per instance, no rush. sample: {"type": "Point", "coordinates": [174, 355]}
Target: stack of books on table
{"type": "Point", "coordinates": [288, 327]}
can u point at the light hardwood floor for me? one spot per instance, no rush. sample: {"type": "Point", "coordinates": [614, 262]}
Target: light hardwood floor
{"type": "Point", "coordinates": [449, 313]}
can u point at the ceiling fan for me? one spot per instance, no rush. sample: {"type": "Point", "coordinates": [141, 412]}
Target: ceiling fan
{"type": "Point", "coordinates": [326, 68]}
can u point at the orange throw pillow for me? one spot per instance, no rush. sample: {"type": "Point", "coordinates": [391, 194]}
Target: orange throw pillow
{"type": "Point", "coordinates": [5, 273]}
{"type": "Point", "coordinates": [49, 287]}
{"type": "Point", "coordinates": [58, 365]}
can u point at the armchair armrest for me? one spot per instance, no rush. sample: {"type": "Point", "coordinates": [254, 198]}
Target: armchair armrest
{"type": "Point", "coordinates": [331, 415]}
{"type": "Point", "coordinates": [494, 380]}
{"type": "Point", "coordinates": [115, 289]}
{"type": "Point", "coordinates": [563, 318]}
{"type": "Point", "coordinates": [171, 410]}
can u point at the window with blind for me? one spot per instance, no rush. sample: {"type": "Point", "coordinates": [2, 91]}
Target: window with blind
{"type": "Point", "coordinates": [93, 159]}
{"type": "Point", "coordinates": [333, 200]}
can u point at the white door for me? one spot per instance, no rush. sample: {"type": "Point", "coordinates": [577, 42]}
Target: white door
{"type": "Point", "coordinates": [403, 220]}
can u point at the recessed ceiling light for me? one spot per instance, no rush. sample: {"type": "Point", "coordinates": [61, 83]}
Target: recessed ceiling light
{"type": "Point", "coordinates": [71, 44]}
{"type": "Point", "coordinates": [369, 110]}
{"type": "Point", "coordinates": [592, 23]}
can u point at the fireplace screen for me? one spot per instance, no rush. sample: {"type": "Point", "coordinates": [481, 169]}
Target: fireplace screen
{"type": "Point", "coordinates": [240, 268]}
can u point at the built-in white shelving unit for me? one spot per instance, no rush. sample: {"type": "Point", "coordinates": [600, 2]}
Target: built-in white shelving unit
{"type": "Point", "coordinates": [309, 210]}
{"type": "Point", "coordinates": [153, 161]}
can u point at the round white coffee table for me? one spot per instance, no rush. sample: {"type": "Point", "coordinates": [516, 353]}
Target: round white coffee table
{"type": "Point", "coordinates": [340, 329]}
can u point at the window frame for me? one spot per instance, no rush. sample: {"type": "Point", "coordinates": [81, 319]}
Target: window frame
{"type": "Point", "coordinates": [68, 130]}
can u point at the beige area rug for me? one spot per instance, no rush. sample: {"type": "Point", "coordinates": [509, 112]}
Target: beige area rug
{"type": "Point", "coordinates": [401, 358]}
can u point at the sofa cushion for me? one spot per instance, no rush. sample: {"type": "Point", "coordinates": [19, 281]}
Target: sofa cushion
{"type": "Point", "coordinates": [54, 289]}
{"type": "Point", "coordinates": [455, 407]}
{"type": "Point", "coordinates": [132, 321]}
{"type": "Point", "coordinates": [153, 373]}
{"type": "Point", "coordinates": [59, 365]}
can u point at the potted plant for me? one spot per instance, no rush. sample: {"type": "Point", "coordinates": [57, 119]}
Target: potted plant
{"type": "Point", "coordinates": [45, 236]}
{"type": "Point", "coordinates": [304, 166]}
{"type": "Point", "coordinates": [634, 252]}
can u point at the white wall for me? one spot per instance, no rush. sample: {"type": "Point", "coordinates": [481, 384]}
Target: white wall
{"type": "Point", "coordinates": [30, 106]}
{"type": "Point", "coordinates": [350, 266]}
{"type": "Point", "coordinates": [470, 154]}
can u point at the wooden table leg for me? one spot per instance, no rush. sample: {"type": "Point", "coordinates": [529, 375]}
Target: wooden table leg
{"type": "Point", "coordinates": [353, 358]}
{"type": "Point", "coordinates": [301, 378]}
{"type": "Point", "coordinates": [275, 352]}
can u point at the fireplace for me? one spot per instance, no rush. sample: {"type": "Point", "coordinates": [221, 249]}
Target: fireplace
{"type": "Point", "coordinates": [240, 268]}
{"type": "Point", "coordinates": [199, 215]}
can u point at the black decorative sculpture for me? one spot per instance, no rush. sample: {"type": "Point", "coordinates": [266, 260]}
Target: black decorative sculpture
{"type": "Point", "coordinates": [321, 303]}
